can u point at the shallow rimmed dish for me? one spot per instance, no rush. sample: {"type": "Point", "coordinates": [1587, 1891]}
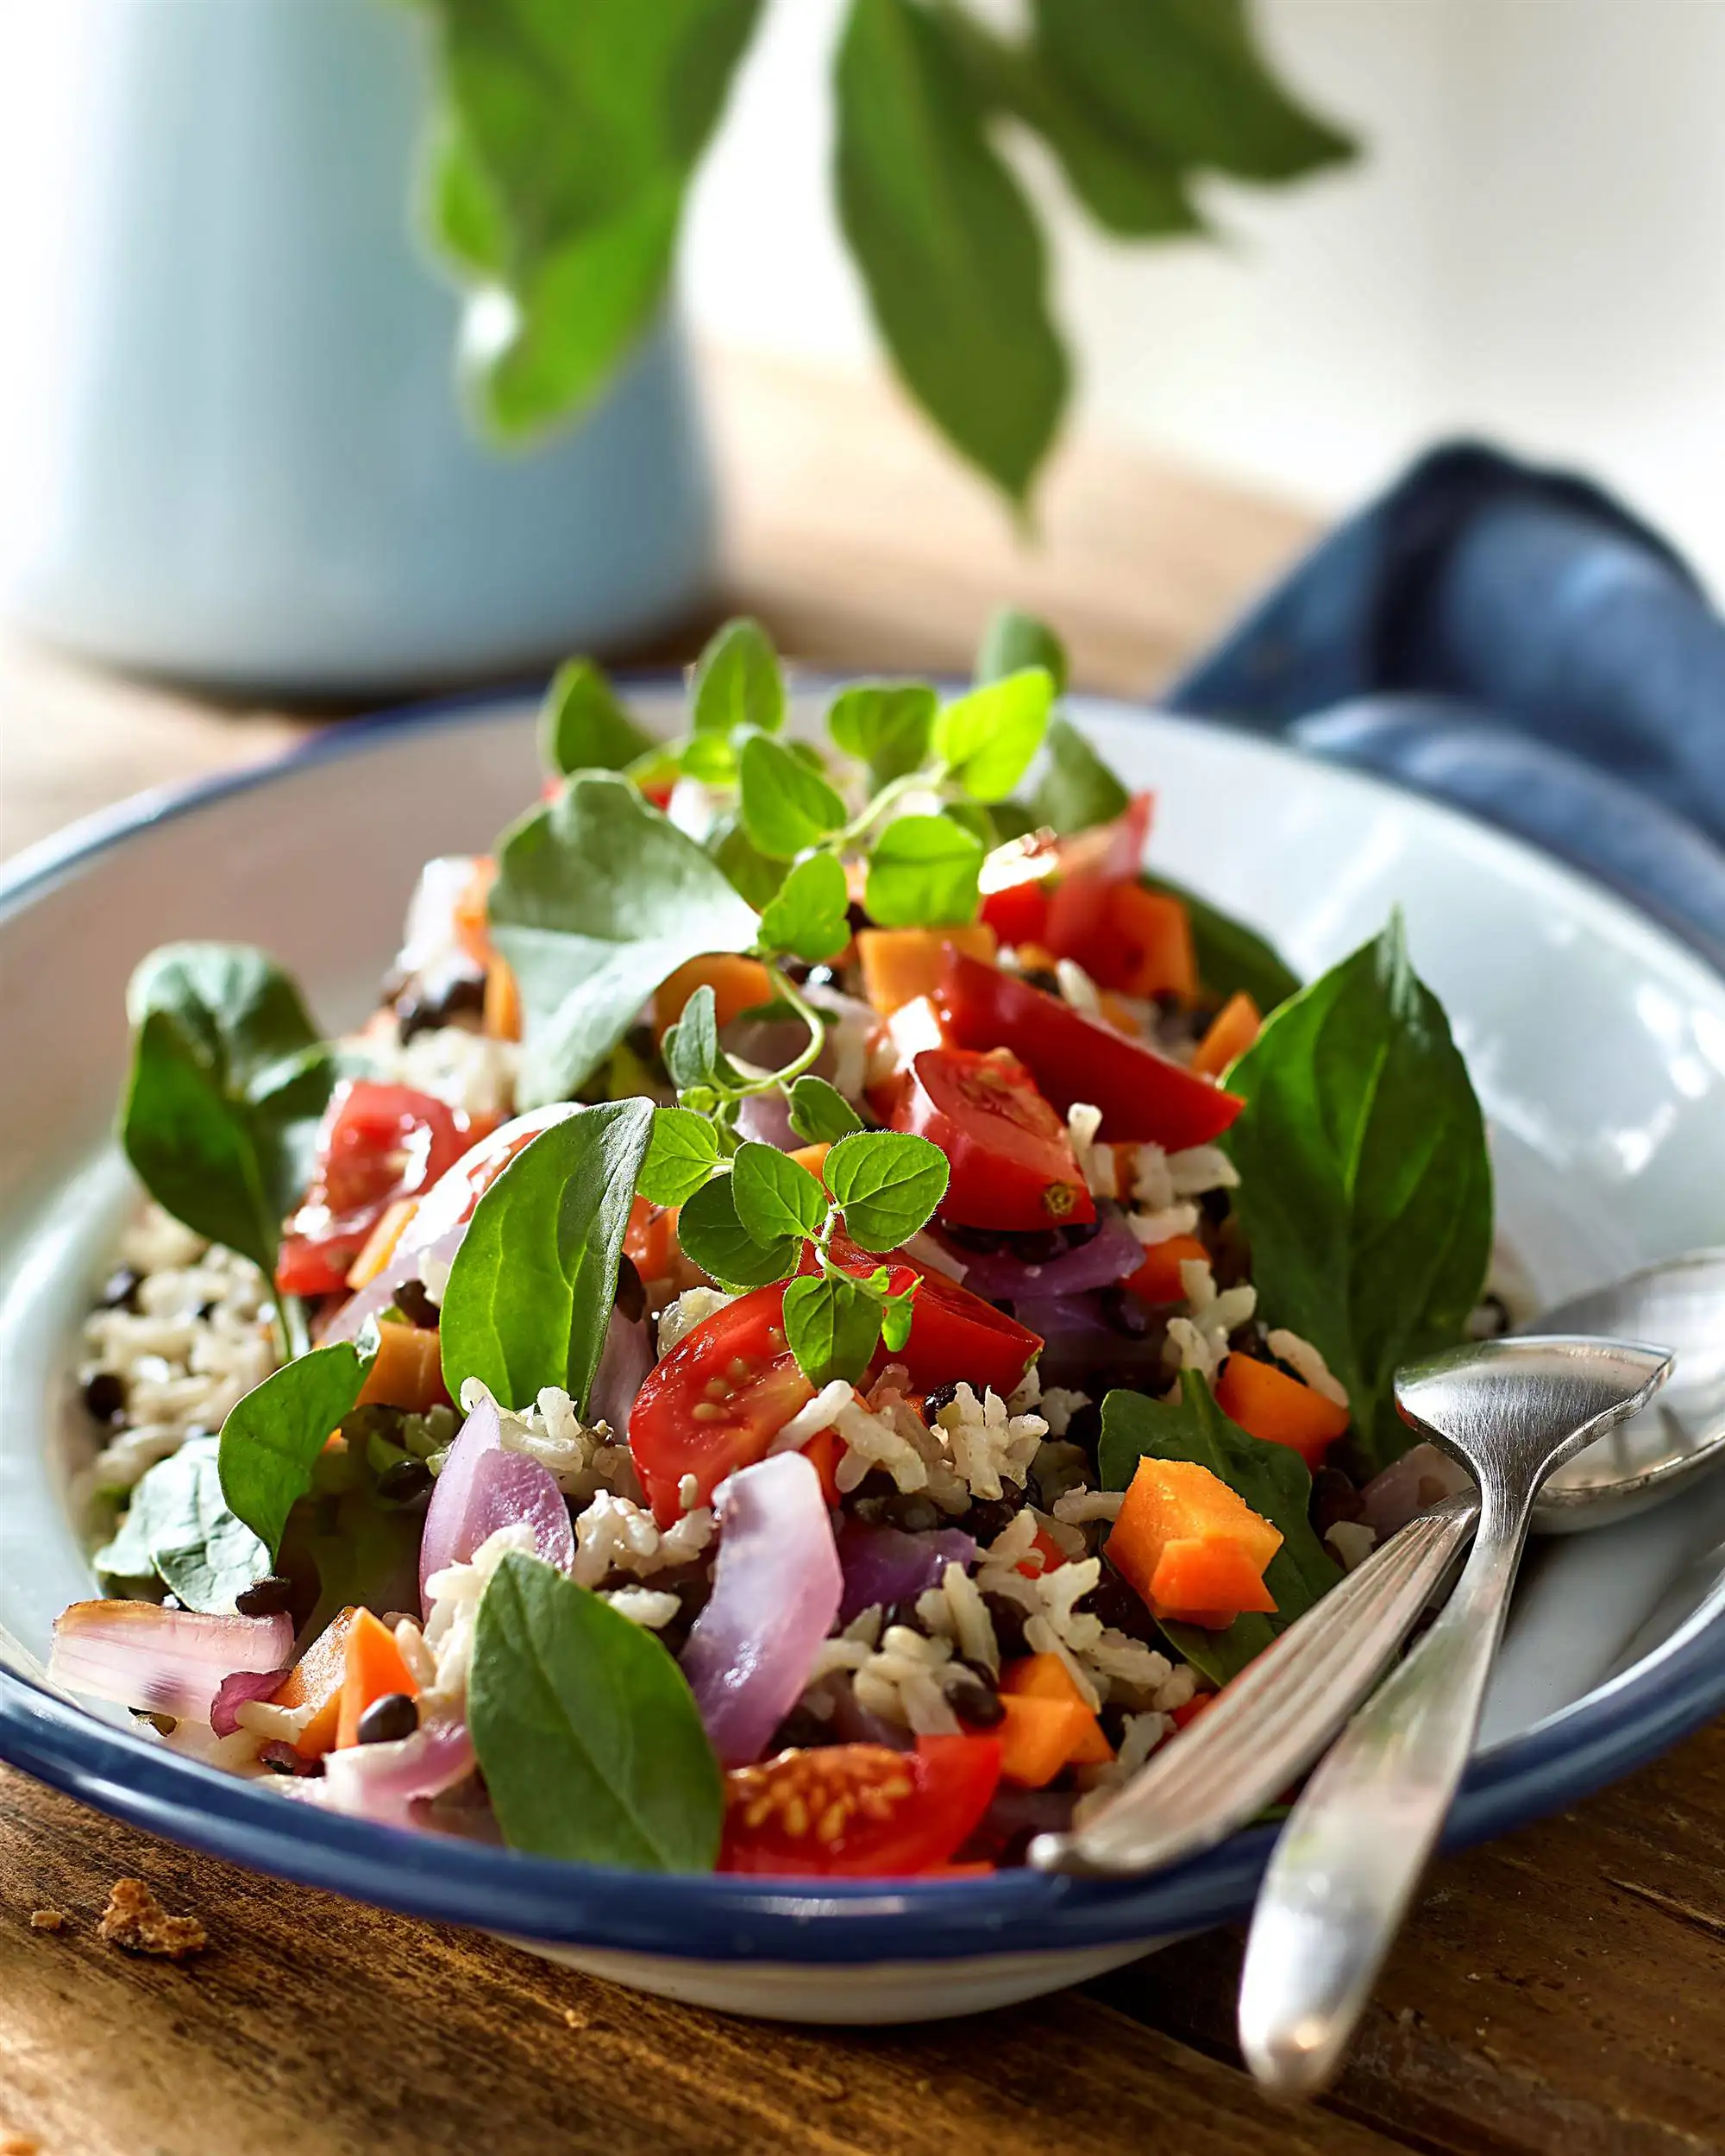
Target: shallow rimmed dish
{"type": "Point", "coordinates": [1598, 1046]}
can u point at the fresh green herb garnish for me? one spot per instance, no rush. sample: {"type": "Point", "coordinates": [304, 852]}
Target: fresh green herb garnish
{"type": "Point", "coordinates": [177, 1528]}
{"type": "Point", "coordinates": [738, 683]}
{"type": "Point", "coordinates": [923, 873]}
{"type": "Point", "coordinates": [1366, 1186]}
{"type": "Point", "coordinates": [819, 1112]}
{"type": "Point", "coordinates": [988, 740]}
{"type": "Point", "coordinates": [888, 726]}
{"type": "Point", "coordinates": [530, 1289]}
{"type": "Point", "coordinates": [228, 1079]}
{"type": "Point", "coordinates": [1014, 640]}
{"type": "Point", "coordinates": [785, 806]}
{"type": "Point", "coordinates": [1078, 790]}
{"type": "Point", "coordinates": [583, 725]}
{"type": "Point", "coordinates": [270, 1440]}
{"type": "Point", "coordinates": [588, 1736]}
{"type": "Point", "coordinates": [809, 915]}
{"type": "Point", "coordinates": [1271, 1478]}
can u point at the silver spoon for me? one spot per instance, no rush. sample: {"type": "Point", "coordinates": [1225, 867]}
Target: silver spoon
{"type": "Point", "coordinates": [1273, 1720]}
{"type": "Point", "coordinates": [1350, 1857]}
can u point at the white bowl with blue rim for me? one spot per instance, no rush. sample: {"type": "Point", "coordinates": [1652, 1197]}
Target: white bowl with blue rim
{"type": "Point", "coordinates": [1596, 1042]}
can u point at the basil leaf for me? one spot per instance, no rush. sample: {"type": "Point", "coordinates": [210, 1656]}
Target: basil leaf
{"type": "Point", "coordinates": [738, 683]}
{"type": "Point", "coordinates": [1013, 641]}
{"type": "Point", "coordinates": [946, 243]}
{"type": "Point", "coordinates": [572, 133]}
{"type": "Point", "coordinates": [989, 739]}
{"type": "Point", "coordinates": [586, 1732]}
{"type": "Point", "coordinates": [746, 868]}
{"type": "Point", "coordinates": [1078, 790]}
{"type": "Point", "coordinates": [819, 1112]}
{"type": "Point", "coordinates": [1230, 956]}
{"type": "Point", "coordinates": [1184, 79]}
{"type": "Point", "coordinates": [785, 806]}
{"type": "Point", "coordinates": [598, 898]}
{"type": "Point", "coordinates": [775, 1196]}
{"type": "Point", "coordinates": [1271, 1478]}
{"type": "Point", "coordinates": [179, 1530]}
{"type": "Point", "coordinates": [713, 1238]}
{"type": "Point", "coordinates": [885, 1182]}
{"type": "Point", "coordinates": [679, 1158]}
{"type": "Point", "coordinates": [810, 917]}
{"type": "Point", "coordinates": [923, 873]}
{"type": "Point", "coordinates": [228, 1079]}
{"type": "Point", "coordinates": [832, 1326]}
{"type": "Point", "coordinates": [583, 727]}
{"type": "Point", "coordinates": [889, 725]}
{"type": "Point", "coordinates": [531, 1287]}
{"type": "Point", "coordinates": [1365, 1186]}
{"type": "Point", "coordinates": [271, 1439]}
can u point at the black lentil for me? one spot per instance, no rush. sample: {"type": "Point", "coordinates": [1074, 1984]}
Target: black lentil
{"type": "Point", "coordinates": [1009, 1623]}
{"type": "Point", "coordinates": [1334, 1498]}
{"type": "Point", "coordinates": [120, 1289]}
{"type": "Point", "coordinates": [1123, 1312]}
{"type": "Point", "coordinates": [104, 1395]}
{"type": "Point", "coordinates": [975, 1702]}
{"type": "Point", "coordinates": [936, 1396]}
{"type": "Point", "coordinates": [266, 1597]}
{"type": "Point", "coordinates": [631, 1294]}
{"type": "Point", "coordinates": [387, 1720]}
{"type": "Point", "coordinates": [416, 1306]}
{"type": "Point", "coordinates": [402, 1480]}
{"type": "Point", "coordinates": [417, 1012]}
{"type": "Point", "coordinates": [800, 1731]}
{"type": "Point", "coordinates": [1118, 1605]}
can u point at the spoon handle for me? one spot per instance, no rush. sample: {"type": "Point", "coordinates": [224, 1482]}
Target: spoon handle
{"type": "Point", "coordinates": [1350, 1856]}
{"type": "Point", "coordinates": [1270, 1724]}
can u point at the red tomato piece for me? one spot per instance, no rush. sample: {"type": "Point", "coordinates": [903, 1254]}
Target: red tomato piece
{"type": "Point", "coordinates": [858, 1811]}
{"type": "Point", "coordinates": [1143, 1096]}
{"type": "Point", "coordinates": [1013, 1163]}
{"type": "Point", "coordinates": [1019, 914]}
{"type": "Point", "coordinates": [715, 1401]}
{"type": "Point", "coordinates": [954, 1334]}
{"type": "Point", "coordinates": [377, 1144]}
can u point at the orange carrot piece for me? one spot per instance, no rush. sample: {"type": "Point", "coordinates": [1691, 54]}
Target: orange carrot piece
{"type": "Point", "coordinates": [823, 1452]}
{"type": "Point", "coordinates": [1157, 1279]}
{"type": "Point", "coordinates": [316, 1681]}
{"type": "Point", "coordinates": [1200, 1703]}
{"type": "Point", "coordinates": [1172, 1500]}
{"type": "Point", "coordinates": [380, 1246]}
{"type": "Point", "coordinates": [372, 1669]}
{"type": "Point", "coordinates": [737, 984]}
{"type": "Point", "coordinates": [1038, 1738]}
{"type": "Point", "coordinates": [649, 1242]}
{"type": "Point", "coordinates": [1149, 945]}
{"type": "Point", "coordinates": [1232, 1032]}
{"type": "Point", "coordinates": [473, 919]}
{"type": "Point", "coordinates": [898, 965]}
{"type": "Point", "coordinates": [1268, 1404]}
{"type": "Point", "coordinates": [1206, 1579]}
{"type": "Point", "coordinates": [813, 1158]}
{"type": "Point", "coordinates": [408, 1372]}
{"type": "Point", "coordinates": [502, 1016]}
{"type": "Point", "coordinates": [1047, 1677]}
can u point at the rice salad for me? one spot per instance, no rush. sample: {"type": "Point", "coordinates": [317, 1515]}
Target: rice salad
{"type": "Point", "coordinates": [827, 1312]}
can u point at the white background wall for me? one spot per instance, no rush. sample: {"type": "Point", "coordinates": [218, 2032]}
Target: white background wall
{"type": "Point", "coordinates": [1534, 246]}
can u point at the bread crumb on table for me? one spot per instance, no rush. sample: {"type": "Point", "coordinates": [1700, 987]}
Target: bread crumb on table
{"type": "Point", "coordinates": [18, 2144]}
{"type": "Point", "coordinates": [48, 1920]}
{"type": "Point", "coordinates": [136, 1922]}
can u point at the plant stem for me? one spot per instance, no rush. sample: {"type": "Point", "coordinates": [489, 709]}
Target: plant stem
{"type": "Point", "coordinates": [805, 1059]}
{"type": "Point", "coordinates": [926, 781]}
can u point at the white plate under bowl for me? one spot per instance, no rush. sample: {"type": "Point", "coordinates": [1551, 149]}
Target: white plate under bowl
{"type": "Point", "coordinates": [1598, 1044]}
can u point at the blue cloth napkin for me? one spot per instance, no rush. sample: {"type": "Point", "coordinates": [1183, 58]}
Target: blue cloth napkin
{"type": "Point", "coordinates": [1515, 642]}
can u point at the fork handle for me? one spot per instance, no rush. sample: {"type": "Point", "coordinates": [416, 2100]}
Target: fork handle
{"type": "Point", "coordinates": [1272, 1720]}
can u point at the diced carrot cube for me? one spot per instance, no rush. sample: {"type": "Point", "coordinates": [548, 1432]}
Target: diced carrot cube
{"type": "Point", "coordinates": [372, 1669]}
{"type": "Point", "coordinates": [316, 1681]}
{"type": "Point", "coordinates": [1047, 1677]}
{"type": "Point", "coordinates": [503, 1017]}
{"type": "Point", "coordinates": [408, 1372]}
{"type": "Point", "coordinates": [1232, 1032]}
{"type": "Point", "coordinates": [737, 984]}
{"type": "Point", "coordinates": [1178, 1501]}
{"type": "Point", "coordinates": [1268, 1404]}
{"type": "Point", "coordinates": [380, 1245]}
{"type": "Point", "coordinates": [898, 965]}
{"type": "Point", "coordinates": [1202, 1577]}
{"type": "Point", "coordinates": [1039, 1737]}
{"type": "Point", "coordinates": [813, 1158]}
{"type": "Point", "coordinates": [1157, 1279]}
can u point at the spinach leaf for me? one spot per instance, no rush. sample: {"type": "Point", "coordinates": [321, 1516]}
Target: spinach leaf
{"type": "Point", "coordinates": [570, 133]}
{"type": "Point", "coordinates": [228, 1079]}
{"type": "Point", "coordinates": [679, 1157]}
{"type": "Point", "coordinates": [775, 1197]}
{"type": "Point", "coordinates": [583, 726]}
{"type": "Point", "coordinates": [810, 915]}
{"type": "Point", "coordinates": [1014, 640]}
{"type": "Point", "coordinates": [738, 683]}
{"type": "Point", "coordinates": [1230, 956]}
{"type": "Point", "coordinates": [713, 1238]}
{"type": "Point", "coordinates": [885, 1182]}
{"type": "Point", "coordinates": [272, 1438]}
{"type": "Point", "coordinates": [179, 1530]}
{"type": "Point", "coordinates": [819, 1112]}
{"type": "Point", "coordinates": [1078, 790]}
{"type": "Point", "coordinates": [947, 244]}
{"type": "Point", "coordinates": [923, 873]}
{"type": "Point", "coordinates": [1365, 1186]}
{"type": "Point", "coordinates": [531, 1287]}
{"type": "Point", "coordinates": [1271, 1478]}
{"type": "Point", "coordinates": [587, 1733]}
{"type": "Point", "coordinates": [597, 899]}
{"type": "Point", "coordinates": [832, 1326]}
{"type": "Point", "coordinates": [989, 738]}
{"type": "Point", "coordinates": [889, 725]}
{"type": "Point", "coordinates": [785, 806]}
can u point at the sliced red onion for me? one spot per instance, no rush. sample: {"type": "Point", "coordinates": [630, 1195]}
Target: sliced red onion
{"type": "Point", "coordinates": [235, 1691]}
{"type": "Point", "coordinates": [162, 1661]}
{"type": "Point", "coordinates": [624, 1363]}
{"type": "Point", "coordinates": [776, 1593]}
{"type": "Point", "coordinates": [1078, 1342]}
{"type": "Point", "coordinates": [509, 1487]}
{"type": "Point", "coordinates": [444, 1540]}
{"type": "Point", "coordinates": [1111, 1254]}
{"type": "Point", "coordinates": [766, 1117]}
{"type": "Point", "coordinates": [1422, 1478]}
{"type": "Point", "coordinates": [382, 1782]}
{"type": "Point", "coordinates": [884, 1565]}
{"type": "Point", "coordinates": [765, 1044]}
{"type": "Point", "coordinates": [433, 1232]}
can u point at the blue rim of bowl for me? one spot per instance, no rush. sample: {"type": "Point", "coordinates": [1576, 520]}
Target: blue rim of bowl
{"type": "Point", "coordinates": [1627, 1722]}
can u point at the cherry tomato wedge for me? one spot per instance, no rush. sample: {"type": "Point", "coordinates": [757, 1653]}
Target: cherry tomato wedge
{"type": "Point", "coordinates": [377, 1144]}
{"type": "Point", "coordinates": [1144, 1097]}
{"type": "Point", "coordinates": [715, 1401]}
{"type": "Point", "coordinates": [955, 1336]}
{"type": "Point", "coordinates": [858, 1811]}
{"type": "Point", "coordinates": [1013, 1163]}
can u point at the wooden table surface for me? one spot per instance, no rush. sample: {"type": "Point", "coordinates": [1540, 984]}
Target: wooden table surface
{"type": "Point", "coordinates": [1562, 1990]}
